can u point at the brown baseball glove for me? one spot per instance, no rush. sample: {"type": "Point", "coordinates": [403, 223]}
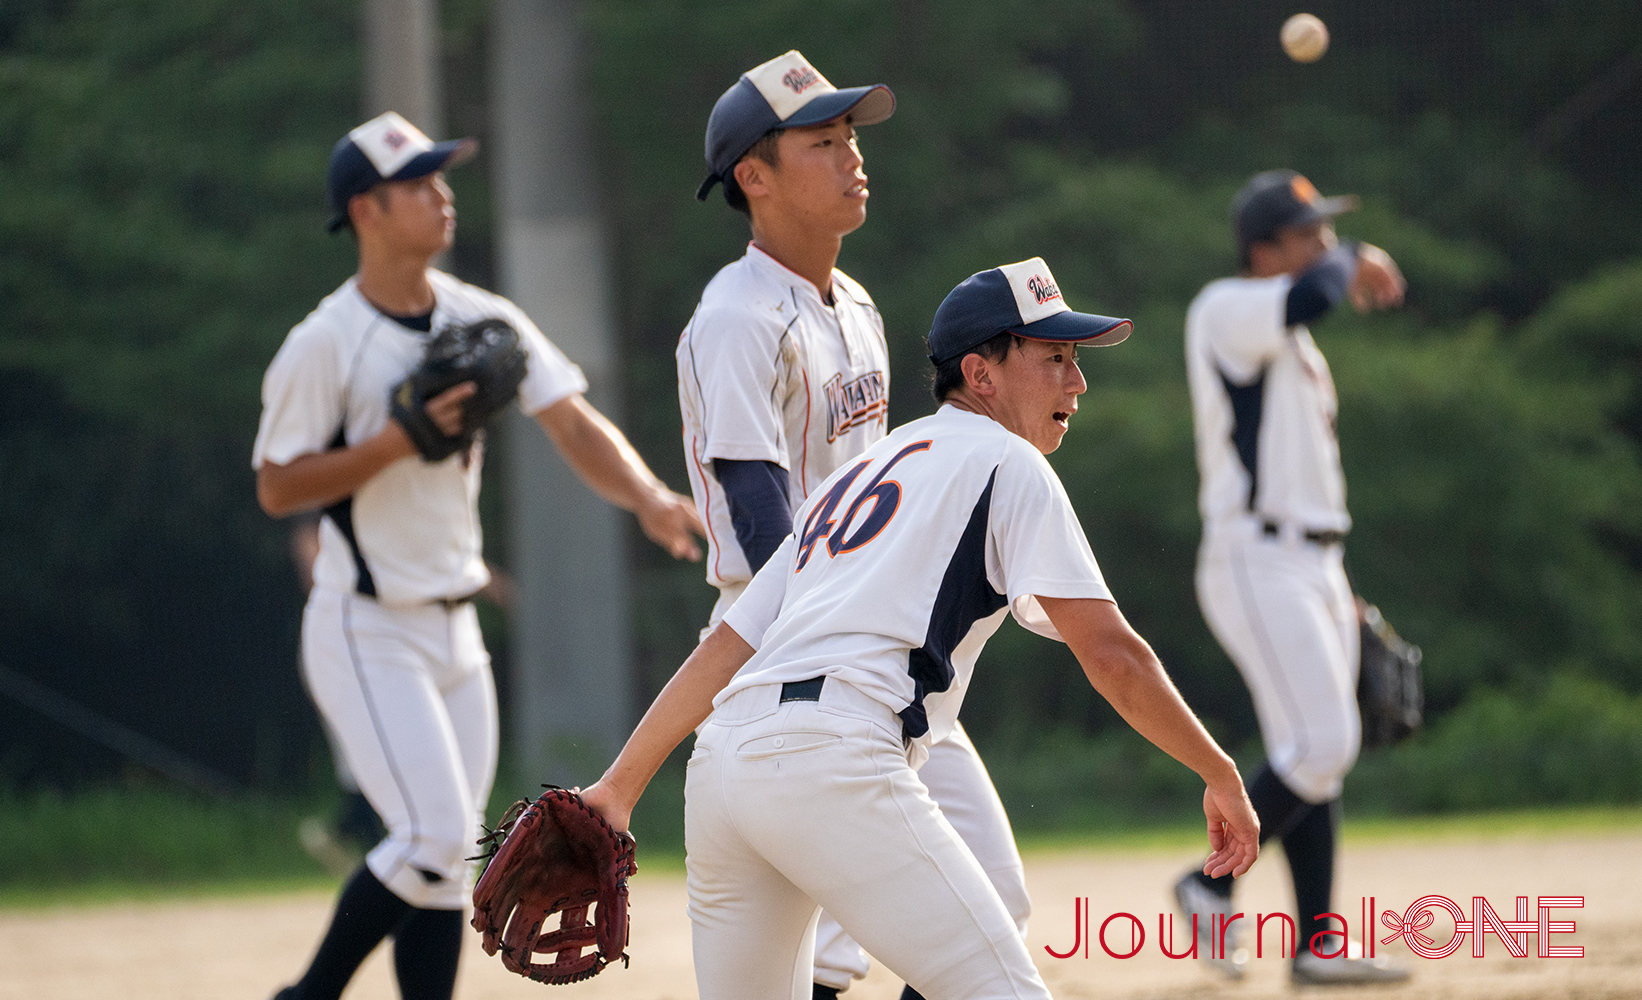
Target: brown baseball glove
{"type": "Point", "coordinates": [554, 855]}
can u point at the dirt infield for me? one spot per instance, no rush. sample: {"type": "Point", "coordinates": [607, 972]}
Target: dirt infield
{"type": "Point", "coordinates": [245, 949]}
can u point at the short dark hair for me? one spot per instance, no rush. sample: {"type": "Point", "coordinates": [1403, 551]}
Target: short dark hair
{"type": "Point", "coordinates": [949, 374]}
{"type": "Point", "coordinates": [768, 149]}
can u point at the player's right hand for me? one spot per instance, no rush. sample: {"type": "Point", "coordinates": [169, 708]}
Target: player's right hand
{"type": "Point", "coordinates": [671, 521]}
{"type": "Point", "coordinates": [445, 409]}
{"type": "Point", "coordinates": [1378, 283]}
{"type": "Point", "coordinates": [1234, 829]}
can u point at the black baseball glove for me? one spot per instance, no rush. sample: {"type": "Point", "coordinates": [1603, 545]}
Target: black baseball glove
{"type": "Point", "coordinates": [1390, 692]}
{"type": "Point", "coordinates": [486, 353]}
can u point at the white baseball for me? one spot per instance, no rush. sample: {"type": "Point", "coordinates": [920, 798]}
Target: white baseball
{"type": "Point", "coordinates": [1304, 37]}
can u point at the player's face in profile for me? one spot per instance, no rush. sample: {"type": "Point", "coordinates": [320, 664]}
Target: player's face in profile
{"type": "Point", "coordinates": [1038, 386]}
{"type": "Point", "coordinates": [419, 216]}
{"type": "Point", "coordinates": [819, 182]}
{"type": "Point", "coordinates": [1297, 248]}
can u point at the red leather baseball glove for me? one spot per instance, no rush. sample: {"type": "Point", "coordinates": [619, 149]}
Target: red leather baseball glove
{"type": "Point", "coordinates": [554, 855]}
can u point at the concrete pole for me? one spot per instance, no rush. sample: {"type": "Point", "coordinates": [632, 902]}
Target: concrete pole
{"type": "Point", "coordinates": [572, 642]}
{"type": "Point", "coordinates": [402, 70]}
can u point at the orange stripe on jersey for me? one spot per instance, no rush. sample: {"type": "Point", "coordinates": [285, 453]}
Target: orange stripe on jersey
{"type": "Point", "coordinates": [706, 486]}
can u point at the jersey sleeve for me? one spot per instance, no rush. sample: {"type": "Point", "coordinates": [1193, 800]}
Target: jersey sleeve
{"type": "Point", "coordinates": [1038, 547]}
{"type": "Point", "coordinates": [549, 375]}
{"type": "Point", "coordinates": [1244, 319]}
{"type": "Point", "coordinates": [302, 404]}
{"type": "Point", "coordinates": [756, 609]}
{"type": "Point", "coordinates": [732, 360]}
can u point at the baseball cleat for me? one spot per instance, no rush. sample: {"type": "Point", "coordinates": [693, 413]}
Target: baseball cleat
{"type": "Point", "coordinates": [1344, 970]}
{"type": "Point", "coordinates": [1196, 899]}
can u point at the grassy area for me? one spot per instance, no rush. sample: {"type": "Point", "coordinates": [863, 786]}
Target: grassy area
{"type": "Point", "coordinates": [132, 842]}
{"type": "Point", "coordinates": [128, 844]}
{"type": "Point", "coordinates": [1516, 823]}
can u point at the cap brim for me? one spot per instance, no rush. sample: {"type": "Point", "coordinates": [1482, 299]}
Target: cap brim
{"type": "Point", "coordinates": [1323, 208]}
{"type": "Point", "coordinates": [443, 155]}
{"type": "Point", "coordinates": [864, 105]}
{"type": "Point", "coordinates": [1079, 328]}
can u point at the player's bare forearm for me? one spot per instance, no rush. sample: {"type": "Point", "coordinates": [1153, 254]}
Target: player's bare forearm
{"type": "Point", "coordinates": [683, 705]}
{"type": "Point", "coordinates": [606, 461]}
{"type": "Point", "coordinates": [1124, 670]}
{"type": "Point", "coordinates": [309, 482]}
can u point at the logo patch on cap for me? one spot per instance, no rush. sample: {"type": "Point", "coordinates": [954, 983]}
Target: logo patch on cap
{"type": "Point", "coordinates": [1304, 191]}
{"type": "Point", "coordinates": [788, 82]}
{"type": "Point", "coordinates": [1037, 295]}
{"type": "Point", "coordinates": [390, 142]}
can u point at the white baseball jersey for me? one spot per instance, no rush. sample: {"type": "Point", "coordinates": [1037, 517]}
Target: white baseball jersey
{"type": "Point", "coordinates": [900, 567]}
{"type": "Point", "coordinates": [769, 372]}
{"type": "Point", "coordinates": [410, 534]}
{"type": "Point", "coordinates": [1265, 408]}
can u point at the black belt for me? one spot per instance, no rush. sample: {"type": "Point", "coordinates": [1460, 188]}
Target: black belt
{"type": "Point", "coordinates": [805, 690]}
{"type": "Point", "coordinates": [810, 690]}
{"type": "Point", "coordinates": [1271, 529]}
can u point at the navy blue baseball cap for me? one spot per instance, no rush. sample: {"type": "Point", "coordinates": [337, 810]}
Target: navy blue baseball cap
{"type": "Point", "coordinates": [386, 148]}
{"type": "Point", "coordinates": [1018, 298]}
{"type": "Point", "coordinates": [1278, 199]}
{"type": "Point", "coordinates": [786, 92]}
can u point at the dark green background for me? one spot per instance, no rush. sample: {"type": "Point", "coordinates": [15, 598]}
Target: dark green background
{"type": "Point", "coordinates": [161, 218]}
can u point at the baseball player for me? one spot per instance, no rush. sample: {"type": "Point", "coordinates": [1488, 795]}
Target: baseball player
{"type": "Point", "coordinates": [847, 657]}
{"type": "Point", "coordinates": [784, 376]}
{"type": "Point", "coordinates": [390, 640]}
{"type": "Point", "coordinates": [1270, 577]}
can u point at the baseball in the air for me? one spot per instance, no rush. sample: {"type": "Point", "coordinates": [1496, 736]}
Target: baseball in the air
{"type": "Point", "coordinates": [1304, 37]}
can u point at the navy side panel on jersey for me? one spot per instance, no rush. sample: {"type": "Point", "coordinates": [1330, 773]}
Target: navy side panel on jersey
{"type": "Point", "coordinates": [1247, 402]}
{"type": "Point", "coordinates": [965, 598]}
{"type": "Point", "coordinates": [341, 515]}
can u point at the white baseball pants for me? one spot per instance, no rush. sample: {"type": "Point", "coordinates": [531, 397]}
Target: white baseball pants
{"type": "Point", "coordinates": [960, 786]}
{"type": "Point", "coordinates": [408, 693]}
{"type": "Point", "coordinates": [799, 805]}
{"type": "Point", "coordinates": [1283, 611]}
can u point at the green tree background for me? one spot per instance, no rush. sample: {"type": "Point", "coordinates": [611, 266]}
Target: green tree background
{"type": "Point", "coordinates": [162, 216]}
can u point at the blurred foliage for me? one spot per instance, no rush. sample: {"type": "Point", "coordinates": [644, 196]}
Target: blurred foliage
{"type": "Point", "coordinates": [140, 836]}
{"type": "Point", "coordinates": [1568, 740]}
{"type": "Point", "coordinates": [164, 216]}
{"type": "Point", "coordinates": [1490, 429]}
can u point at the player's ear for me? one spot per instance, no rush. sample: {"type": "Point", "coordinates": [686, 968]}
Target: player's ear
{"type": "Point", "coordinates": [977, 374]}
{"type": "Point", "coordinates": [752, 174]}
{"type": "Point", "coordinates": [361, 209]}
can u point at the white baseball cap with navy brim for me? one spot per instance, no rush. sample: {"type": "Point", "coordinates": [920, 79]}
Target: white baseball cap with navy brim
{"type": "Point", "coordinates": [1022, 299]}
{"type": "Point", "coordinates": [386, 148]}
{"type": "Point", "coordinates": [786, 92]}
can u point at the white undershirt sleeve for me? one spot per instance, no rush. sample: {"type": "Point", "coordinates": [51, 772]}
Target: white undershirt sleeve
{"type": "Point", "coordinates": [1037, 546]}
{"type": "Point", "coordinates": [1245, 324]}
{"type": "Point", "coordinates": [549, 376]}
{"type": "Point", "coordinates": [756, 609]}
{"type": "Point", "coordinates": [301, 400]}
{"type": "Point", "coordinates": [734, 364]}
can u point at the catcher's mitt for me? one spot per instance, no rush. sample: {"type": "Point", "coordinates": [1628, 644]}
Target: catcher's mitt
{"type": "Point", "coordinates": [486, 353]}
{"type": "Point", "coordinates": [554, 855]}
{"type": "Point", "coordinates": [1390, 693]}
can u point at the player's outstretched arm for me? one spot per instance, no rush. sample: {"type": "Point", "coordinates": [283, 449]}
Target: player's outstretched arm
{"type": "Point", "coordinates": [605, 460]}
{"type": "Point", "coordinates": [1123, 668]}
{"type": "Point", "coordinates": [310, 482]}
{"type": "Point", "coordinates": [683, 705]}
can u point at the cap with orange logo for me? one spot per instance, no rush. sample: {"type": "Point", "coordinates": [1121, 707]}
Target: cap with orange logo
{"type": "Point", "coordinates": [1278, 199]}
